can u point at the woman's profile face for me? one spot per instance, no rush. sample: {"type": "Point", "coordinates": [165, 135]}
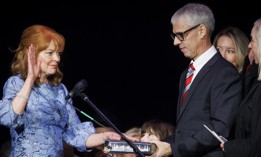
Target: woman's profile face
{"type": "Point", "coordinates": [253, 45]}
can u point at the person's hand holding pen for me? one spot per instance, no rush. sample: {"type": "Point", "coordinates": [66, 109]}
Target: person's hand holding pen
{"type": "Point", "coordinates": [219, 137]}
{"type": "Point", "coordinates": [222, 146]}
{"type": "Point", "coordinates": [223, 142]}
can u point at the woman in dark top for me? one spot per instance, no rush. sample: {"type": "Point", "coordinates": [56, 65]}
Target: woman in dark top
{"type": "Point", "coordinates": [247, 142]}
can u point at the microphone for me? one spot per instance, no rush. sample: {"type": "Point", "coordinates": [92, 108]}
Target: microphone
{"type": "Point", "coordinates": [78, 88]}
{"type": "Point", "coordinates": [131, 144]}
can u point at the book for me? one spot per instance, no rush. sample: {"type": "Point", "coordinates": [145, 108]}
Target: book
{"type": "Point", "coordinates": [113, 147]}
{"type": "Point", "coordinates": [220, 138]}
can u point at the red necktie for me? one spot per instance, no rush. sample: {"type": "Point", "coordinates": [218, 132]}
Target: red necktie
{"type": "Point", "coordinates": [189, 77]}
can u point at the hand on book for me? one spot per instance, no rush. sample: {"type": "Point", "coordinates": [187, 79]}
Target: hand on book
{"type": "Point", "coordinates": [163, 148]}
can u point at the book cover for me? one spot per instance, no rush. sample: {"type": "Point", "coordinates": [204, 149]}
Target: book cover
{"type": "Point", "coordinates": [112, 146]}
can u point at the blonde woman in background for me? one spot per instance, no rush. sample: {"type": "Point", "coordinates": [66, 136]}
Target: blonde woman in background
{"type": "Point", "coordinates": [232, 43]}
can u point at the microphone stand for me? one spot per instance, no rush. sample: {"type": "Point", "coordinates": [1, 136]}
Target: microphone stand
{"type": "Point", "coordinates": [135, 148]}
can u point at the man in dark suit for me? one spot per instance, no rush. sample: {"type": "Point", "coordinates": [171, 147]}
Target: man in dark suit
{"type": "Point", "coordinates": [214, 90]}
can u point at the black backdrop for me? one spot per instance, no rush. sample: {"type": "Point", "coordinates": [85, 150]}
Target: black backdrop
{"type": "Point", "coordinates": [123, 50]}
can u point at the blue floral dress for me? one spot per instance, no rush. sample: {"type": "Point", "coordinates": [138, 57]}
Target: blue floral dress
{"type": "Point", "coordinates": [47, 121]}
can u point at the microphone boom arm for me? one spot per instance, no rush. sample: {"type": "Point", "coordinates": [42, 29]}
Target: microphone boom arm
{"type": "Point", "coordinates": [135, 148]}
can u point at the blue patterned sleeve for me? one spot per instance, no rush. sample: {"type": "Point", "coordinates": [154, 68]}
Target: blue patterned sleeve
{"type": "Point", "coordinates": [7, 115]}
{"type": "Point", "coordinates": [76, 132]}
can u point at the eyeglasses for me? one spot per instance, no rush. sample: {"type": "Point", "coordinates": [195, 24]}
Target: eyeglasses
{"type": "Point", "coordinates": [181, 35]}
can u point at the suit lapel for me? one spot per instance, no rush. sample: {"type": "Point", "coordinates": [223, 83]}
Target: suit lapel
{"type": "Point", "coordinates": [193, 88]}
{"type": "Point", "coordinates": [181, 88]}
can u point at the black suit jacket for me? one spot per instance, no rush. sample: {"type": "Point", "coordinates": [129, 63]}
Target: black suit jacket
{"type": "Point", "coordinates": [213, 99]}
{"type": "Point", "coordinates": [247, 142]}
{"type": "Point", "coordinates": [249, 74]}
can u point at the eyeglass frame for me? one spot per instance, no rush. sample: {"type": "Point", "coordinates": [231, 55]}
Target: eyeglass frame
{"type": "Point", "coordinates": [181, 35]}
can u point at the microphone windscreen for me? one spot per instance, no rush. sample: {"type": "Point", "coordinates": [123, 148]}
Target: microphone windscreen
{"type": "Point", "coordinates": [80, 86]}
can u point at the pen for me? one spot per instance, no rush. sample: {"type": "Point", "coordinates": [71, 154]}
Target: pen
{"type": "Point", "coordinates": [220, 138]}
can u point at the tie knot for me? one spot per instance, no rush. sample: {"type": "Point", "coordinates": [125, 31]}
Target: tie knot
{"type": "Point", "coordinates": [191, 66]}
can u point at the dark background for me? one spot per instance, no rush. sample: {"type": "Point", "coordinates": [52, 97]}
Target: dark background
{"type": "Point", "coordinates": [123, 50]}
